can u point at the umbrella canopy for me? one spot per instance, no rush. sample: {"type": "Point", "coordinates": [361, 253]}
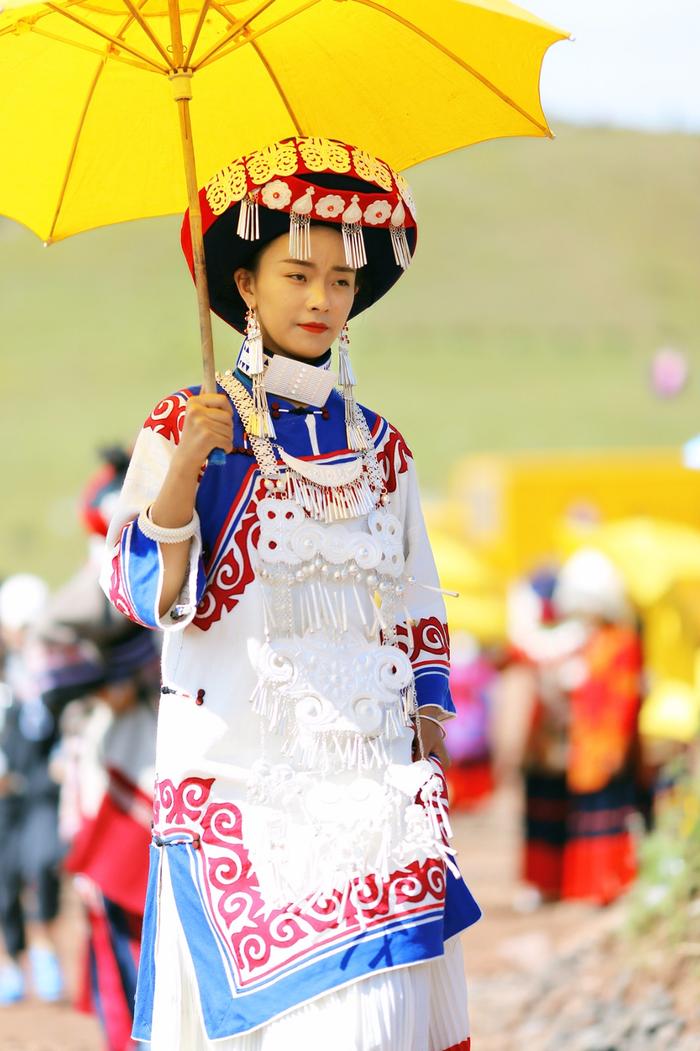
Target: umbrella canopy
{"type": "Point", "coordinates": [90, 135]}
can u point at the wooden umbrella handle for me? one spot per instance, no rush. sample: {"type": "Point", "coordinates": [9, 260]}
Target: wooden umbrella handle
{"type": "Point", "coordinates": [181, 81]}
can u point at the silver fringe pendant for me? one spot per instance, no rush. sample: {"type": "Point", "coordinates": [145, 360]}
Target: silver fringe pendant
{"type": "Point", "coordinates": [259, 423]}
{"type": "Point", "coordinates": [331, 493]}
{"type": "Point", "coordinates": [300, 226]}
{"type": "Point", "coordinates": [249, 219]}
{"type": "Point", "coordinates": [353, 240]}
{"type": "Point", "coordinates": [399, 241]}
{"type": "Point", "coordinates": [356, 438]}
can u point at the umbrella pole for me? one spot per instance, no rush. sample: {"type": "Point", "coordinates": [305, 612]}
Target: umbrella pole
{"type": "Point", "coordinates": [181, 82]}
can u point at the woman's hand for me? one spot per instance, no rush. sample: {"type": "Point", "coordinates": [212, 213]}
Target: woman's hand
{"type": "Point", "coordinates": [208, 425]}
{"type": "Point", "coordinates": [433, 737]}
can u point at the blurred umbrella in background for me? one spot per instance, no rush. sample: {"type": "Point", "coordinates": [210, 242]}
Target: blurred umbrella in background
{"type": "Point", "coordinates": [89, 132]}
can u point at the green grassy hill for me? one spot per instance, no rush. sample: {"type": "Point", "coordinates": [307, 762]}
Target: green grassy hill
{"type": "Point", "coordinates": [547, 274]}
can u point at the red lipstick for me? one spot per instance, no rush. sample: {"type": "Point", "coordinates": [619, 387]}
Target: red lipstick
{"type": "Point", "coordinates": [314, 326]}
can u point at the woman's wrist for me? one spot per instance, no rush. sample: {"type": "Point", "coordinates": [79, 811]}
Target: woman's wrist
{"type": "Point", "coordinates": [185, 465]}
{"type": "Point", "coordinates": [167, 534]}
{"type": "Point", "coordinates": [174, 506]}
{"type": "Point", "coordinates": [436, 722]}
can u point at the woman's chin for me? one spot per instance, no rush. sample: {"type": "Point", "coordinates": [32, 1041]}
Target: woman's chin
{"type": "Point", "coordinates": [305, 346]}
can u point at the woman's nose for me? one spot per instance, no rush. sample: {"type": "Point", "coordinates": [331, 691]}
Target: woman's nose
{"type": "Point", "coordinates": [317, 298]}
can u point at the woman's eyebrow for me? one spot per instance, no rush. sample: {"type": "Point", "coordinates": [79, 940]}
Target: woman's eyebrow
{"type": "Point", "coordinates": [309, 265]}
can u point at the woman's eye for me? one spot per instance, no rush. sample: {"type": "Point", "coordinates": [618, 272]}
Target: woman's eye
{"type": "Point", "coordinates": [344, 282]}
{"type": "Point", "coordinates": [299, 277]}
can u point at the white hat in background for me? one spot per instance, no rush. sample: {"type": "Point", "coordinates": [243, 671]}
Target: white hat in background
{"type": "Point", "coordinates": [22, 598]}
{"type": "Point", "coordinates": [589, 584]}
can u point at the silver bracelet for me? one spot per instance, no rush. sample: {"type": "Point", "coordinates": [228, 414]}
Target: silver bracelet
{"type": "Point", "coordinates": [432, 719]}
{"type": "Point", "coordinates": [163, 535]}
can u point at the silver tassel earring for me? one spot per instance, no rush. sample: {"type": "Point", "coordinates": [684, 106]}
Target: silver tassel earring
{"type": "Point", "coordinates": [259, 423]}
{"type": "Point", "coordinates": [346, 377]}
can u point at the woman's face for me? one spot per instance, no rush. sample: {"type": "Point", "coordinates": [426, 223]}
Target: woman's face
{"type": "Point", "coordinates": [301, 306]}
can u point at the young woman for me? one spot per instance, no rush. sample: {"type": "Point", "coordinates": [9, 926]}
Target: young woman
{"type": "Point", "coordinates": [302, 885]}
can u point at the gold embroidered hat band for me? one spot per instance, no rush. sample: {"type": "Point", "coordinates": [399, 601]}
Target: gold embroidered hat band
{"type": "Point", "coordinates": [289, 186]}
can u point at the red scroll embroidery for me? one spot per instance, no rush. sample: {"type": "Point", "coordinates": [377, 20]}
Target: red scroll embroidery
{"type": "Point", "coordinates": [428, 639]}
{"type": "Point", "coordinates": [263, 939]}
{"type": "Point", "coordinates": [393, 458]}
{"type": "Point", "coordinates": [168, 417]}
{"type": "Point", "coordinates": [234, 572]}
{"type": "Point", "coordinates": [179, 805]}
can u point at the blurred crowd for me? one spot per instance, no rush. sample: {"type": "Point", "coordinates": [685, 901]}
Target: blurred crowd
{"type": "Point", "coordinates": [565, 701]}
{"type": "Point", "coordinates": [77, 751]}
{"type": "Point", "coordinates": [570, 706]}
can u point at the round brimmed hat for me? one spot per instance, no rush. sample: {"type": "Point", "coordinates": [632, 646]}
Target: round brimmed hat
{"type": "Point", "coordinates": [289, 186]}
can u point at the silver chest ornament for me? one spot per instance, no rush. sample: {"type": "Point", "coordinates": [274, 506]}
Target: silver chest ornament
{"type": "Point", "coordinates": [330, 681]}
{"type": "Point", "coordinates": [333, 685]}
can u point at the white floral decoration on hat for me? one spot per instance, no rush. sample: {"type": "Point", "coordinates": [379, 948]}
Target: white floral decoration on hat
{"type": "Point", "coordinates": [330, 206]}
{"type": "Point", "coordinates": [377, 213]}
{"type": "Point", "coordinates": [276, 194]}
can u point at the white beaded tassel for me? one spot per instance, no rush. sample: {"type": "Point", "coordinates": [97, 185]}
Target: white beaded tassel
{"type": "Point", "coordinates": [356, 439]}
{"type": "Point", "coordinates": [249, 219]}
{"type": "Point", "coordinates": [399, 242]}
{"type": "Point", "coordinates": [300, 226]}
{"type": "Point", "coordinates": [353, 241]}
{"type": "Point", "coordinates": [259, 423]}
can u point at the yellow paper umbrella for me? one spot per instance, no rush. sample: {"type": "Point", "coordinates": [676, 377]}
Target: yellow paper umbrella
{"type": "Point", "coordinates": [88, 128]}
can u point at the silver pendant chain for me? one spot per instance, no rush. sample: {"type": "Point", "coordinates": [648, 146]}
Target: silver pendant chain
{"type": "Point", "coordinates": [326, 494]}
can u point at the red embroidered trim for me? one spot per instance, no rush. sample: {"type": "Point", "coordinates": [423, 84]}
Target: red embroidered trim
{"type": "Point", "coordinates": [463, 1045]}
{"type": "Point", "coordinates": [118, 594]}
{"type": "Point", "coordinates": [429, 636]}
{"type": "Point", "coordinates": [393, 458]}
{"type": "Point", "coordinates": [235, 571]}
{"type": "Point", "coordinates": [177, 803]}
{"type": "Point", "coordinates": [258, 935]}
{"type": "Point", "coordinates": [168, 417]}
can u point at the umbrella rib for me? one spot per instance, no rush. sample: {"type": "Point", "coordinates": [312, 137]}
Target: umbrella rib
{"type": "Point", "coordinates": [255, 35]}
{"type": "Point", "coordinates": [149, 33]}
{"type": "Point", "coordinates": [198, 28]}
{"type": "Point", "coordinates": [76, 138]}
{"type": "Point", "coordinates": [73, 150]}
{"type": "Point", "coordinates": [236, 27]}
{"type": "Point", "coordinates": [288, 106]}
{"type": "Point", "coordinates": [279, 89]}
{"type": "Point", "coordinates": [107, 36]}
{"type": "Point", "coordinates": [459, 61]}
{"type": "Point", "coordinates": [86, 47]}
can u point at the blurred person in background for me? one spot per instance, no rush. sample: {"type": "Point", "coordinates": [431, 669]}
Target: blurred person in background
{"type": "Point", "coordinates": [581, 756]}
{"type": "Point", "coordinates": [107, 698]}
{"type": "Point", "coordinates": [31, 850]}
{"type": "Point", "coordinates": [473, 674]}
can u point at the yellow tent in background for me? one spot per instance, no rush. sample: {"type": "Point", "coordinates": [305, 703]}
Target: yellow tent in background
{"type": "Point", "coordinates": [652, 554]}
{"type": "Point", "coordinates": [480, 609]}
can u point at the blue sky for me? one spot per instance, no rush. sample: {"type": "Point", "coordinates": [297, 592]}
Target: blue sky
{"type": "Point", "coordinates": [634, 63]}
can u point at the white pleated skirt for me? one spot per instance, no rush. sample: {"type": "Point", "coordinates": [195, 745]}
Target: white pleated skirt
{"type": "Point", "coordinates": [421, 1007]}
